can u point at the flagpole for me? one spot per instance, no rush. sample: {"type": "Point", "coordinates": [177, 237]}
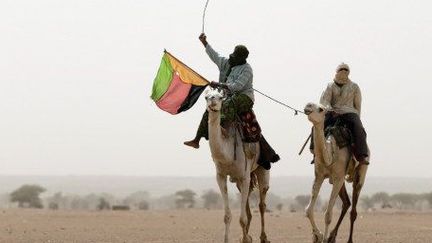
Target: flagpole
{"type": "Point", "coordinates": [186, 66]}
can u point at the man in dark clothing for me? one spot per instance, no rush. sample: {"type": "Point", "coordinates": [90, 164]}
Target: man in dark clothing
{"type": "Point", "coordinates": [235, 76]}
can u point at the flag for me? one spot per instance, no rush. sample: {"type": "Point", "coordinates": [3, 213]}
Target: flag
{"type": "Point", "coordinates": [176, 87]}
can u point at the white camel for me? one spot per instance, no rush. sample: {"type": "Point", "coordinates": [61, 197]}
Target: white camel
{"type": "Point", "coordinates": [237, 160]}
{"type": "Point", "coordinates": [331, 162]}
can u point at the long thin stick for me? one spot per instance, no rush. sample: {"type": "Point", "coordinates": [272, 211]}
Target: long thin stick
{"type": "Point", "coordinates": [304, 145]}
{"type": "Point", "coordinates": [203, 18]}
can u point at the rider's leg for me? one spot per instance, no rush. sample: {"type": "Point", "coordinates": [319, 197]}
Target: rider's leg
{"type": "Point", "coordinates": [361, 151]}
{"type": "Point", "coordinates": [202, 132]}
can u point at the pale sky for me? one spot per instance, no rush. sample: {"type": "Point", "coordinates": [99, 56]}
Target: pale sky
{"type": "Point", "coordinates": [76, 77]}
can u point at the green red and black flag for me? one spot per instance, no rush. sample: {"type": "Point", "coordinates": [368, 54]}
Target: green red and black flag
{"type": "Point", "coordinates": [176, 87]}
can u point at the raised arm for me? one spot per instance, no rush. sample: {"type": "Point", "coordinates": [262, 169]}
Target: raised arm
{"type": "Point", "coordinates": [214, 56]}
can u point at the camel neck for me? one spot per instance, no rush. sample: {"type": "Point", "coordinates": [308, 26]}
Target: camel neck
{"type": "Point", "coordinates": [319, 142]}
{"type": "Point", "coordinates": [214, 130]}
{"type": "Point", "coordinates": [217, 142]}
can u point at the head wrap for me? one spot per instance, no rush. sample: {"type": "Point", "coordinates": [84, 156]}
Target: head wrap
{"type": "Point", "coordinates": [341, 77]}
{"type": "Point", "coordinates": [238, 57]}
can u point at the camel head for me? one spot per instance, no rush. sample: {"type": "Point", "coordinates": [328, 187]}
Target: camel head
{"type": "Point", "coordinates": [214, 98]}
{"type": "Point", "coordinates": [316, 113]}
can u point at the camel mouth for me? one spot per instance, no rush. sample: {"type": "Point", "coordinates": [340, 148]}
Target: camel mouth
{"type": "Point", "coordinates": [210, 108]}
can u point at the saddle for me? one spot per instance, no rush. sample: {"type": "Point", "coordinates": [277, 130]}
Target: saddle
{"type": "Point", "coordinates": [249, 128]}
{"type": "Point", "coordinates": [250, 132]}
{"type": "Point", "coordinates": [341, 133]}
{"type": "Point", "coordinates": [343, 137]}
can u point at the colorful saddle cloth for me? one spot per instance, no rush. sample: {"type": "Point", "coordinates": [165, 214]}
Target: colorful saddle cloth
{"type": "Point", "coordinates": [250, 129]}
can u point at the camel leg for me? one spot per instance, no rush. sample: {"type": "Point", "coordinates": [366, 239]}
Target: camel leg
{"type": "Point", "coordinates": [358, 183]}
{"type": "Point", "coordinates": [264, 185]}
{"type": "Point", "coordinates": [248, 211]}
{"type": "Point", "coordinates": [337, 185]}
{"type": "Point", "coordinates": [345, 205]}
{"type": "Point", "coordinates": [222, 182]}
{"type": "Point", "coordinates": [244, 186]}
{"type": "Point", "coordinates": [317, 235]}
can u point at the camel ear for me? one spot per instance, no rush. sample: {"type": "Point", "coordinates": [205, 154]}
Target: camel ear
{"type": "Point", "coordinates": [222, 92]}
{"type": "Point", "coordinates": [322, 108]}
{"type": "Point", "coordinates": [206, 92]}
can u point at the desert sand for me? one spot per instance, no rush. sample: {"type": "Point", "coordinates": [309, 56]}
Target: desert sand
{"type": "Point", "coordinates": [198, 225]}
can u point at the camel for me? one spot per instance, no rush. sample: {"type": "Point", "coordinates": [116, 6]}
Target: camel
{"type": "Point", "coordinates": [237, 160]}
{"type": "Point", "coordinates": [331, 162]}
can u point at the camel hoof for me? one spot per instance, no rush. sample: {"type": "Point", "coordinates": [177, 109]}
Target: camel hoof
{"type": "Point", "coordinates": [263, 238]}
{"type": "Point", "coordinates": [318, 237]}
{"type": "Point", "coordinates": [247, 239]}
{"type": "Point", "coordinates": [332, 238]}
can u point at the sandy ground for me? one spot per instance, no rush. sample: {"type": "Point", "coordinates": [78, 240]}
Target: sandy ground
{"type": "Point", "coordinates": [197, 225]}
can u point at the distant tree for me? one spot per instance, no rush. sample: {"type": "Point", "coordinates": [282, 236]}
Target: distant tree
{"type": "Point", "coordinates": [165, 202]}
{"type": "Point", "coordinates": [28, 196]}
{"type": "Point", "coordinates": [56, 199]}
{"type": "Point", "coordinates": [90, 201]}
{"type": "Point", "coordinates": [380, 197]}
{"type": "Point", "coordinates": [103, 204]}
{"type": "Point", "coordinates": [143, 205]}
{"type": "Point", "coordinates": [366, 202]}
{"type": "Point", "coordinates": [273, 200]}
{"type": "Point", "coordinates": [136, 198]}
{"type": "Point", "coordinates": [53, 206]}
{"type": "Point", "coordinates": [77, 202]}
{"type": "Point", "coordinates": [404, 200]}
{"type": "Point", "coordinates": [302, 200]}
{"type": "Point", "coordinates": [428, 198]}
{"type": "Point", "coordinates": [212, 199]}
{"type": "Point", "coordinates": [279, 207]}
{"type": "Point", "coordinates": [185, 199]}
{"type": "Point", "coordinates": [293, 208]}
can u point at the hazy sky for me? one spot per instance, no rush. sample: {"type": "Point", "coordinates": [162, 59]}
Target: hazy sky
{"type": "Point", "coordinates": [76, 77]}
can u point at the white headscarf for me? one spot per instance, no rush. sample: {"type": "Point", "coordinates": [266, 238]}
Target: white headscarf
{"type": "Point", "coordinates": [341, 77]}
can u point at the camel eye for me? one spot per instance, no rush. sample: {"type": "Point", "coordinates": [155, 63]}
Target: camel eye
{"type": "Point", "coordinates": [321, 109]}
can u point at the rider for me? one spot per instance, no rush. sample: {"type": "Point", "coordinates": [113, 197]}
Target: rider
{"type": "Point", "coordinates": [236, 77]}
{"type": "Point", "coordinates": [343, 97]}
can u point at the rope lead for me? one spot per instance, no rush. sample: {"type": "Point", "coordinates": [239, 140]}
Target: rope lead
{"type": "Point", "coordinates": [281, 103]}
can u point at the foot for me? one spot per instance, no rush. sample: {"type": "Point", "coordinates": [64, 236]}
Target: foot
{"type": "Point", "coordinates": [363, 160]}
{"type": "Point", "coordinates": [246, 239]}
{"type": "Point", "coordinates": [332, 238]}
{"type": "Point", "coordinates": [192, 143]}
